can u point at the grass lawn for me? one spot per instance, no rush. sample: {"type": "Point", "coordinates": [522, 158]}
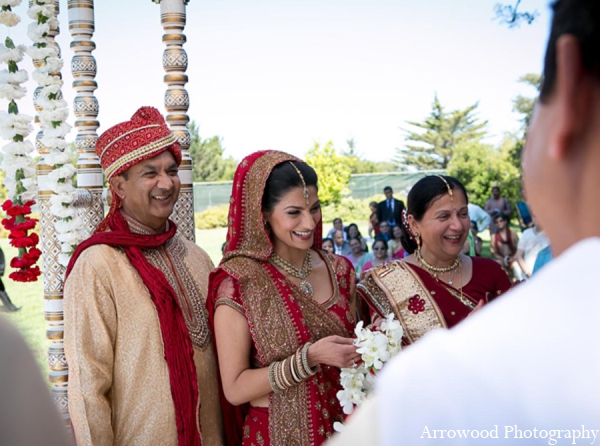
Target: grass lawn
{"type": "Point", "coordinates": [30, 318]}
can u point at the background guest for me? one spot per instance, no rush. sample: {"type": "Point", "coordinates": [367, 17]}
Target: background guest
{"type": "Point", "coordinates": [385, 231]}
{"type": "Point", "coordinates": [353, 232]}
{"type": "Point", "coordinates": [390, 209]}
{"type": "Point", "coordinates": [543, 257]}
{"type": "Point", "coordinates": [328, 245]}
{"type": "Point", "coordinates": [358, 256]}
{"type": "Point", "coordinates": [340, 247]}
{"type": "Point", "coordinates": [497, 205]}
{"type": "Point", "coordinates": [379, 257]}
{"type": "Point", "coordinates": [395, 249]}
{"type": "Point", "coordinates": [503, 247]}
{"type": "Point", "coordinates": [474, 244]}
{"type": "Point", "coordinates": [338, 225]}
{"type": "Point", "coordinates": [373, 222]}
{"type": "Point", "coordinates": [531, 243]}
{"type": "Point", "coordinates": [479, 216]}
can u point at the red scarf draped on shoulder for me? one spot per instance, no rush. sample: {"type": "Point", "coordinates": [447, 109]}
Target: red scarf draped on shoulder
{"type": "Point", "coordinates": [179, 352]}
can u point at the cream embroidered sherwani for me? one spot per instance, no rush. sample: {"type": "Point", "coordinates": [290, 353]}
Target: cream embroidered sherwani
{"type": "Point", "coordinates": [119, 390]}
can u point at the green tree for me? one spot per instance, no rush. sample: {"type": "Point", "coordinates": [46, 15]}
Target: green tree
{"type": "Point", "coordinates": [333, 171]}
{"type": "Point", "coordinates": [443, 132]}
{"type": "Point", "coordinates": [524, 106]}
{"type": "Point", "coordinates": [207, 157]}
{"type": "Point", "coordinates": [478, 165]}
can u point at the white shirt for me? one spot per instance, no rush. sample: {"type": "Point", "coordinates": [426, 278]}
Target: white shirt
{"type": "Point", "coordinates": [527, 364]}
{"type": "Point", "coordinates": [531, 243]}
{"type": "Point", "coordinates": [479, 216]}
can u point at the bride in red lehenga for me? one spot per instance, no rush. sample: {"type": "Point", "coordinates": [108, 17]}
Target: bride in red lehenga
{"type": "Point", "coordinates": [281, 310]}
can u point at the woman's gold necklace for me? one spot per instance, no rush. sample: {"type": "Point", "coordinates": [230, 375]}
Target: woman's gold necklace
{"type": "Point", "coordinates": [435, 270]}
{"type": "Point", "coordinates": [451, 279]}
{"type": "Point", "coordinates": [302, 273]}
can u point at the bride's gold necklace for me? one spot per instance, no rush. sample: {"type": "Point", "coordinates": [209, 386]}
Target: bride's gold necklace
{"type": "Point", "coordinates": [435, 270]}
{"type": "Point", "coordinates": [301, 273]}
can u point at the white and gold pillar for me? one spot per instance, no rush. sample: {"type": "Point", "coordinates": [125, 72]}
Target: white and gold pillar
{"type": "Point", "coordinates": [177, 102]}
{"type": "Point", "coordinates": [52, 270]}
{"type": "Point", "coordinates": [85, 107]}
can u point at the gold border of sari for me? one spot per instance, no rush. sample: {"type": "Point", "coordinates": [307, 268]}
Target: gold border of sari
{"type": "Point", "coordinates": [397, 283]}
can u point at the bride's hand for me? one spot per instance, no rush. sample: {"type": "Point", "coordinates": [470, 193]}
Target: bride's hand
{"type": "Point", "coordinates": [333, 350]}
{"type": "Point", "coordinates": [477, 308]}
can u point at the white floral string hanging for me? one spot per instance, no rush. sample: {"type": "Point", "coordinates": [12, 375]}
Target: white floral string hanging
{"type": "Point", "coordinates": [18, 165]}
{"type": "Point", "coordinates": [53, 122]}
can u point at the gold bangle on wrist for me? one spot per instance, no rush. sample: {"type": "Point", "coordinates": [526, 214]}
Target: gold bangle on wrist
{"type": "Point", "coordinates": [284, 374]}
{"type": "Point", "coordinates": [299, 367]}
{"type": "Point", "coordinates": [272, 377]}
{"type": "Point", "coordinates": [295, 375]}
{"type": "Point", "coordinates": [305, 365]}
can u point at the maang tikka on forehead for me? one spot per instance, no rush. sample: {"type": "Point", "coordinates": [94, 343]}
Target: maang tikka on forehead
{"type": "Point", "coordinates": [450, 191]}
{"type": "Point", "coordinates": [305, 191]}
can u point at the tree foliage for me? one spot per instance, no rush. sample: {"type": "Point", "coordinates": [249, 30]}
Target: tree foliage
{"type": "Point", "coordinates": [477, 166]}
{"type": "Point", "coordinates": [207, 156]}
{"type": "Point", "coordinates": [524, 106]}
{"type": "Point", "coordinates": [333, 171]}
{"type": "Point", "coordinates": [439, 136]}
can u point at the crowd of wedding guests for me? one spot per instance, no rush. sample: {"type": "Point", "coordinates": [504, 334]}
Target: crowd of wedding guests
{"type": "Point", "coordinates": [520, 256]}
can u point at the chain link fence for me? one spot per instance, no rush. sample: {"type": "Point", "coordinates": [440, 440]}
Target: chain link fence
{"type": "Point", "coordinates": [362, 186]}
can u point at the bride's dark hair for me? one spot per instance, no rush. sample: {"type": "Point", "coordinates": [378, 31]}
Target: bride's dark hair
{"type": "Point", "coordinates": [284, 178]}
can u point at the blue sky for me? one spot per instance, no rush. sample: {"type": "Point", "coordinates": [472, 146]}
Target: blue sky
{"type": "Point", "coordinates": [279, 74]}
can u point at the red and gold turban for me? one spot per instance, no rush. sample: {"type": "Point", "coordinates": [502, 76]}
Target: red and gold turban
{"type": "Point", "coordinates": [124, 145]}
{"type": "Point", "coordinates": [128, 143]}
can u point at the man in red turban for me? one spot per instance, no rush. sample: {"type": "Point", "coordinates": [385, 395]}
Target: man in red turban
{"type": "Point", "coordinates": [142, 369]}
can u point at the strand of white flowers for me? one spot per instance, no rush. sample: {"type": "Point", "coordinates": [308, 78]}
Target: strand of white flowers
{"type": "Point", "coordinates": [18, 165]}
{"type": "Point", "coordinates": [53, 122]}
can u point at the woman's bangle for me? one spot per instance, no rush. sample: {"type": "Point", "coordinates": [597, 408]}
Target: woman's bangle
{"type": "Point", "coordinates": [273, 377]}
{"type": "Point", "coordinates": [291, 371]}
{"type": "Point", "coordinates": [304, 353]}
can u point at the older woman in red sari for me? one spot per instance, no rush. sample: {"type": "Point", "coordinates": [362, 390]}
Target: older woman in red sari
{"type": "Point", "coordinates": [281, 310]}
{"type": "Point", "coordinates": [435, 286]}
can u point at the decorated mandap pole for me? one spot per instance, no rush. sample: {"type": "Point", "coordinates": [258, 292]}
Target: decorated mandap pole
{"type": "Point", "coordinates": [177, 102]}
{"type": "Point", "coordinates": [85, 108]}
{"type": "Point", "coordinates": [52, 270]}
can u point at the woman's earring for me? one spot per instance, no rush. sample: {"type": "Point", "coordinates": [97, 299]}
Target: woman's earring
{"type": "Point", "coordinates": [418, 240]}
{"type": "Point", "coordinates": [266, 225]}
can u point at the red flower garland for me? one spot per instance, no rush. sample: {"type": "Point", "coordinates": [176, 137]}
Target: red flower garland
{"type": "Point", "coordinates": [19, 224]}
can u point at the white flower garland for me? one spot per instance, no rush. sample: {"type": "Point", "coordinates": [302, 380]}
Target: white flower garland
{"type": "Point", "coordinates": [52, 118]}
{"type": "Point", "coordinates": [7, 16]}
{"type": "Point", "coordinates": [376, 348]}
{"type": "Point", "coordinates": [14, 126]}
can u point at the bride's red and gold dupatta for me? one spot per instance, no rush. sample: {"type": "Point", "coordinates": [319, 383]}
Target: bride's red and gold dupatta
{"type": "Point", "coordinates": [420, 302]}
{"type": "Point", "coordinates": [280, 317]}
